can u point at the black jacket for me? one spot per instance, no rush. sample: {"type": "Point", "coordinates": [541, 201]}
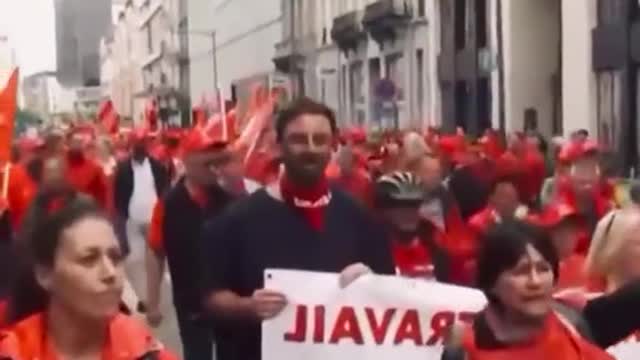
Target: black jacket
{"type": "Point", "coordinates": [181, 235]}
{"type": "Point", "coordinates": [123, 184]}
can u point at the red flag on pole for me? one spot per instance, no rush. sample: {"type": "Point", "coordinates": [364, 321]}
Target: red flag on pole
{"type": "Point", "coordinates": [8, 105]}
{"type": "Point", "coordinates": [108, 117]}
{"type": "Point", "coordinates": [151, 116]}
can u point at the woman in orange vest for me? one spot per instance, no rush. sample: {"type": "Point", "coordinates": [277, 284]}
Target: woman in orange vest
{"type": "Point", "coordinates": [65, 303]}
{"type": "Point", "coordinates": [517, 271]}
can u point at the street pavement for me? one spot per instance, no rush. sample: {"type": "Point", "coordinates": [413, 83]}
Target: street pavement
{"type": "Point", "coordinates": [135, 288]}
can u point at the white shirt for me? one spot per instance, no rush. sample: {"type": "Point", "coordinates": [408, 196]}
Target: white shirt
{"type": "Point", "coordinates": [144, 196]}
{"type": "Point", "coordinates": [251, 186]}
{"type": "Point", "coordinates": [433, 211]}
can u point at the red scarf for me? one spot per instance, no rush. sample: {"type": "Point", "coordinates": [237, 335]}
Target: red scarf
{"type": "Point", "coordinates": [311, 202]}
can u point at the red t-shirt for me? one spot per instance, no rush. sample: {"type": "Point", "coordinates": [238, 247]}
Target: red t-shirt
{"type": "Point", "coordinates": [87, 177]}
{"type": "Point", "coordinates": [572, 273]}
{"type": "Point", "coordinates": [413, 259]}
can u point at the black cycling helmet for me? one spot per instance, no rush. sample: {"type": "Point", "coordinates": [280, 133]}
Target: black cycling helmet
{"type": "Point", "coordinates": [398, 189]}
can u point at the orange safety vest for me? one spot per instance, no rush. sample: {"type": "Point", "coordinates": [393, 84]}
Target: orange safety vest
{"type": "Point", "coordinates": [128, 340]}
{"type": "Point", "coordinates": [559, 341]}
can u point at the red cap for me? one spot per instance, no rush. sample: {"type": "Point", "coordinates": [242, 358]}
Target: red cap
{"type": "Point", "coordinates": [554, 214]}
{"type": "Point", "coordinates": [30, 143]}
{"type": "Point", "coordinates": [173, 134]}
{"type": "Point", "coordinates": [139, 134]}
{"type": "Point", "coordinates": [452, 144]}
{"type": "Point", "coordinates": [380, 154]}
{"type": "Point", "coordinates": [575, 150]}
{"type": "Point", "coordinates": [197, 140]}
{"type": "Point", "coordinates": [356, 135]}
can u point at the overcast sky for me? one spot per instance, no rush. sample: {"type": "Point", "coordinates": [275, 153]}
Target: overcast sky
{"type": "Point", "coordinates": [29, 25]}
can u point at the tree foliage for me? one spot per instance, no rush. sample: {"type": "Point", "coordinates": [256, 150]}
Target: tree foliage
{"type": "Point", "coordinates": [26, 119]}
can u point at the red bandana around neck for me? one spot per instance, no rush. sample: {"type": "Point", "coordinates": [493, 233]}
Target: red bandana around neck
{"type": "Point", "coordinates": [310, 201]}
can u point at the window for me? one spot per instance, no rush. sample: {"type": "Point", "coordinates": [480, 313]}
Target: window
{"type": "Point", "coordinates": [357, 80]}
{"type": "Point", "coordinates": [286, 19]}
{"type": "Point", "coordinates": [343, 88]}
{"type": "Point", "coordinates": [610, 11]}
{"type": "Point", "coordinates": [297, 21]}
{"type": "Point", "coordinates": [484, 103]}
{"type": "Point", "coordinates": [149, 39]}
{"type": "Point", "coordinates": [481, 23]}
{"type": "Point", "coordinates": [421, 8]}
{"type": "Point", "coordinates": [462, 97]}
{"type": "Point", "coordinates": [608, 107]}
{"type": "Point", "coordinates": [460, 23]}
{"type": "Point", "coordinates": [356, 94]}
{"type": "Point", "coordinates": [395, 73]}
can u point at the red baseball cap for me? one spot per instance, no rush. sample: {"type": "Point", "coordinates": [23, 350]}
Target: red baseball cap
{"type": "Point", "coordinates": [555, 214]}
{"type": "Point", "coordinates": [356, 135]}
{"type": "Point", "coordinates": [30, 143]}
{"type": "Point", "coordinates": [198, 140]}
{"type": "Point", "coordinates": [576, 150]}
{"type": "Point", "coordinates": [139, 134]}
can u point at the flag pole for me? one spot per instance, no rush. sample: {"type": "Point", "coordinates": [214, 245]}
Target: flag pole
{"type": "Point", "coordinates": [223, 110]}
{"type": "Point", "coordinates": [5, 180]}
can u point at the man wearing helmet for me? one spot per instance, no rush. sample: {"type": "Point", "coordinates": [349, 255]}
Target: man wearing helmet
{"type": "Point", "coordinates": [417, 251]}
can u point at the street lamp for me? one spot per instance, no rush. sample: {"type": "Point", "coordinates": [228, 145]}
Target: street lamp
{"type": "Point", "coordinates": [214, 48]}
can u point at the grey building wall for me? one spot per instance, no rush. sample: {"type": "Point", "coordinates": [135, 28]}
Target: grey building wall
{"type": "Point", "coordinates": [79, 26]}
{"type": "Point", "coordinates": [246, 32]}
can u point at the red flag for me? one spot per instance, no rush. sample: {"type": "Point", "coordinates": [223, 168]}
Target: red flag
{"type": "Point", "coordinates": [108, 117]}
{"type": "Point", "coordinates": [8, 104]}
{"type": "Point", "coordinates": [223, 127]}
{"type": "Point", "coordinates": [151, 116]}
{"type": "Point", "coordinates": [199, 118]}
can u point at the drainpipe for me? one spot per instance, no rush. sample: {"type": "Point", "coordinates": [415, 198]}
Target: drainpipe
{"type": "Point", "coordinates": [501, 96]}
{"type": "Point", "coordinates": [292, 35]}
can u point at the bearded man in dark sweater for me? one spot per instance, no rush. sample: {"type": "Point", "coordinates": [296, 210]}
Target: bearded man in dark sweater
{"type": "Point", "coordinates": [298, 223]}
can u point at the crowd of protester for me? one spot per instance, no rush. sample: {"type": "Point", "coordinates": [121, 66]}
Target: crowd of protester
{"type": "Point", "coordinates": [546, 233]}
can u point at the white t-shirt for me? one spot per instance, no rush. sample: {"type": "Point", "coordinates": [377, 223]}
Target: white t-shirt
{"type": "Point", "coordinates": [144, 196]}
{"type": "Point", "coordinates": [432, 210]}
{"type": "Point", "coordinates": [251, 186]}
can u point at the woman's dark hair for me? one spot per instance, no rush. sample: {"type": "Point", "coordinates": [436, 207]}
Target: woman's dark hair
{"type": "Point", "coordinates": [300, 107]}
{"type": "Point", "coordinates": [504, 245]}
{"type": "Point", "coordinates": [51, 213]}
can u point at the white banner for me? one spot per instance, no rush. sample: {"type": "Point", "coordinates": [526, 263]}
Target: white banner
{"type": "Point", "coordinates": [377, 317]}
